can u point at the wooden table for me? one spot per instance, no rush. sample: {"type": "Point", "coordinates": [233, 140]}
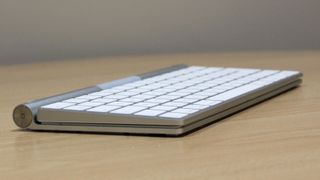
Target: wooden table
{"type": "Point", "coordinates": [277, 139]}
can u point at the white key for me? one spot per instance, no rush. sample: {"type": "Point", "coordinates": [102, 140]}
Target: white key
{"type": "Point", "coordinates": [166, 90]}
{"type": "Point", "coordinates": [234, 92]}
{"type": "Point", "coordinates": [245, 70]}
{"type": "Point", "coordinates": [128, 110]}
{"type": "Point", "coordinates": [222, 87]}
{"type": "Point", "coordinates": [196, 106]}
{"type": "Point", "coordinates": [179, 94]}
{"type": "Point", "coordinates": [89, 97]}
{"type": "Point", "coordinates": [244, 80]}
{"type": "Point", "coordinates": [127, 93]}
{"type": "Point", "coordinates": [205, 93]}
{"type": "Point", "coordinates": [157, 100]}
{"type": "Point", "coordinates": [103, 108]}
{"type": "Point", "coordinates": [75, 100]}
{"type": "Point", "coordinates": [151, 87]}
{"type": "Point", "coordinates": [208, 102]}
{"type": "Point", "coordinates": [173, 87]}
{"type": "Point", "coordinates": [168, 97]}
{"type": "Point", "coordinates": [194, 96]}
{"type": "Point", "coordinates": [138, 90]}
{"type": "Point", "coordinates": [185, 111]}
{"type": "Point", "coordinates": [185, 100]}
{"type": "Point", "coordinates": [146, 104]}
{"type": "Point", "coordinates": [155, 93]}
{"type": "Point", "coordinates": [214, 90]}
{"type": "Point", "coordinates": [263, 73]}
{"type": "Point", "coordinates": [289, 73]}
{"type": "Point", "coordinates": [235, 83]}
{"type": "Point", "coordinates": [149, 112]}
{"type": "Point", "coordinates": [90, 104]}
{"type": "Point", "coordinates": [132, 100]}
{"type": "Point", "coordinates": [279, 76]}
{"type": "Point", "coordinates": [259, 83]}
{"type": "Point", "coordinates": [188, 90]}
{"type": "Point", "coordinates": [77, 108]}
{"type": "Point", "coordinates": [164, 108]}
{"type": "Point", "coordinates": [143, 96]}
{"type": "Point", "coordinates": [119, 103]}
{"type": "Point", "coordinates": [175, 104]}
{"type": "Point", "coordinates": [116, 96]}
{"type": "Point", "coordinates": [197, 88]}
{"type": "Point", "coordinates": [58, 105]}
{"type": "Point", "coordinates": [103, 100]}
{"type": "Point", "coordinates": [173, 115]}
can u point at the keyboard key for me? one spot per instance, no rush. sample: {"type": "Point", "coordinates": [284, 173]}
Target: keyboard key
{"type": "Point", "coordinates": [196, 106]}
{"type": "Point", "coordinates": [146, 104]}
{"type": "Point", "coordinates": [154, 93]}
{"type": "Point", "coordinates": [175, 104]}
{"type": "Point", "coordinates": [138, 90]}
{"type": "Point", "coordinates": [185, 111]}
{"type": "Point", "coordinates": [157, 100]}
{"type": "Point", "coordinates": [116, 96]}
{"type": "Point", "coordinates": [103, 100]}
{"type": "Point", "coordinates": [208, 102]}
{"type": "Point", "coordinates": [186, 100]}
{"type": "Point", "coordinates": [127, 93]}
{"type": "Point", "coordinates": [194, 96]}
{"type": "Point", "coordinates": [234, 92]}
{"type": "Point", "coordinates": [131, 100]}
{"type": "Point", "coordinates": [179, 94]}
{"type": "Point", "coordinates": [143, 96]}
{"type": "Point", "coordinates": [150, 112]}
{"type": "Point", "coordinates": [90, 104]}
{"type": "Point", "coordinates": [128, 110]}
{"type": "Point", "coordinates": [151, 87]}
{"type": "Point", "coordinates": [164, 108]}
{"type": "Point", "coordinates": [164, 90]}
{"type": "Point", "coordinates": [103, 108]}
{"type": "Point", "coordinates": [205, 93]}
{"type": "Point", "coordinates": [119, 103]}
{"type": "Point", "coordinates": [173, 115]}
{"type": "Point", "coordinates": [187, 90]}
{"type": "Point", "coordinates": [168, 97]}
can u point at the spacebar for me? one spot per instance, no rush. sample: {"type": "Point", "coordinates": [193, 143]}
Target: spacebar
{"type": "Point", "coordinates": [235, 92]}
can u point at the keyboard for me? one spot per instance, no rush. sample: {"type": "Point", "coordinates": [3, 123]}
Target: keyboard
{"type": "Point", "coordinates": [170, 101]}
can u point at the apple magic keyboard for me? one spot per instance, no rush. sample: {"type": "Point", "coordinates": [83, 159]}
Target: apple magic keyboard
{"type": "Point", "coordinates": [170, 101]}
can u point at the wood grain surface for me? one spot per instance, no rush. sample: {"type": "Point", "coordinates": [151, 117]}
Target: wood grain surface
{"type": "Point", "coordinates": [277, 139]}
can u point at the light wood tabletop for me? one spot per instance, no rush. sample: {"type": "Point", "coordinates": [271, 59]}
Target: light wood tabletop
{"type": "Point", "coordinates": [276, 139]}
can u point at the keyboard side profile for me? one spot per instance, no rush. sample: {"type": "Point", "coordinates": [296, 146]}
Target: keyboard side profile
{"type": "Point", "coordinates": [171, 101]}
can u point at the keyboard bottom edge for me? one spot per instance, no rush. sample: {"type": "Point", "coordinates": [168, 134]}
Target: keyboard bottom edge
{"type": "Point", "coordinates": [163, 130]}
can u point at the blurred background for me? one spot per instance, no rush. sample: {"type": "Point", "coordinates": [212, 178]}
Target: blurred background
{"type": "Point", "coordinates": [41, 30]}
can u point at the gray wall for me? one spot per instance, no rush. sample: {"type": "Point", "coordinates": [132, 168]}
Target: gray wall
{"type": "Point", "coordinates": [36, 30]}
